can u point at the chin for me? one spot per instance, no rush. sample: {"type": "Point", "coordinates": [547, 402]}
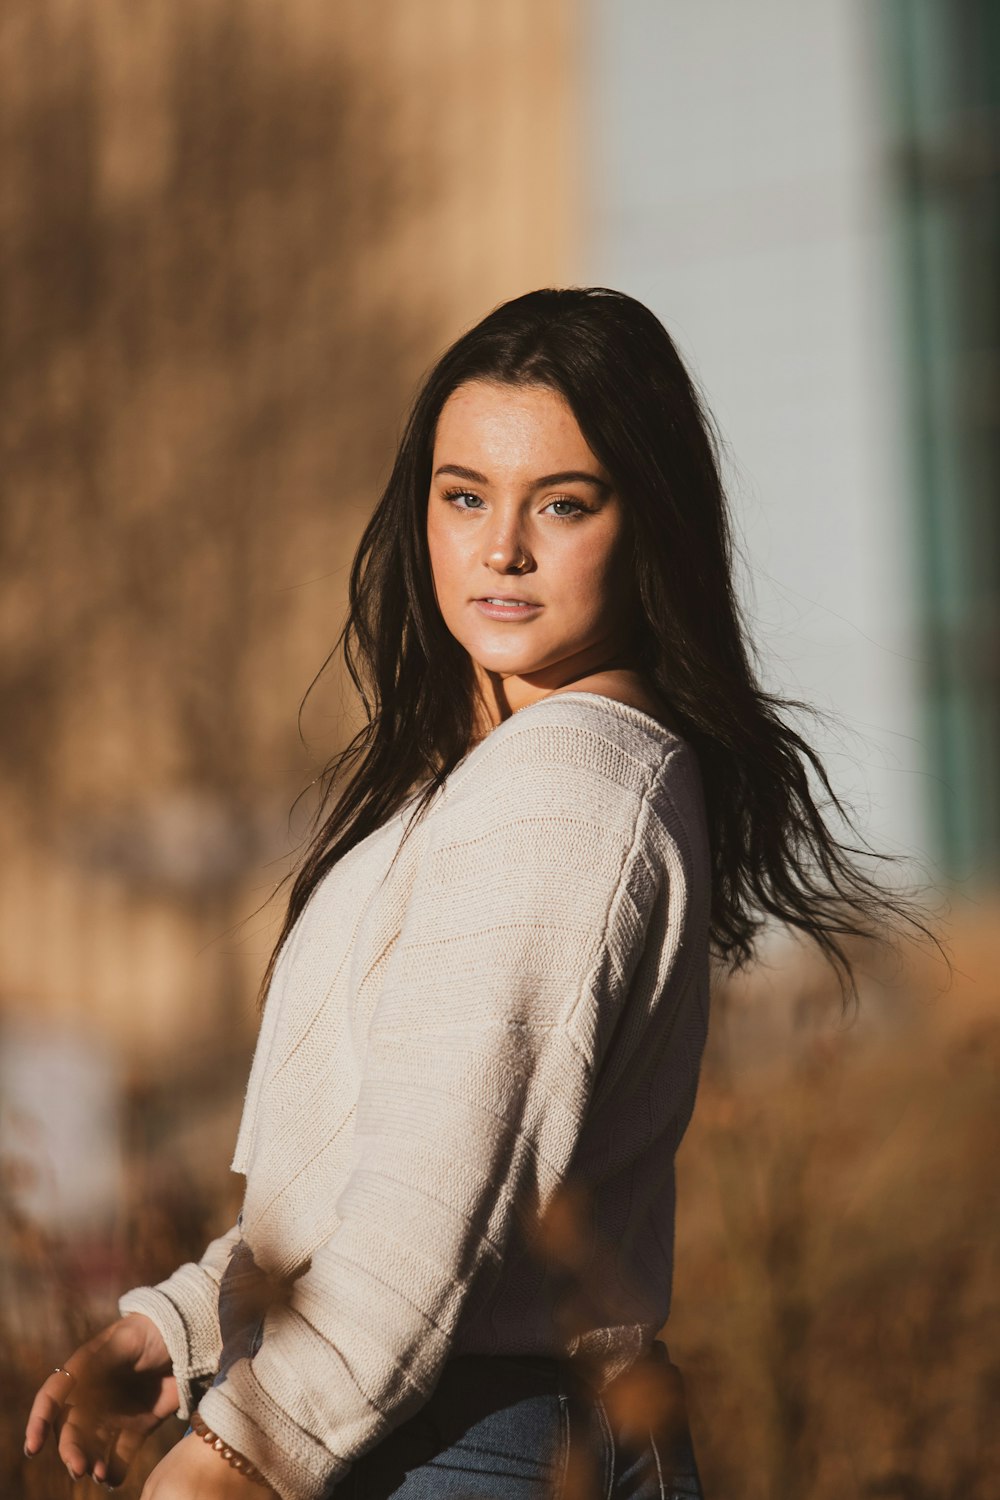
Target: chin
{"type": "Point", "coordinates": [524, 668]}
{"type": "Point", "coordinates": [509, 662]}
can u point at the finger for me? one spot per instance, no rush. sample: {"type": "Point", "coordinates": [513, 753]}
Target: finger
{"type": "Point", "coordinates": [45, 1412]}
{"type": "Point", "coordinates": [100, 1467]}
{"type": "Point", "coordinates": [84, 1439]}
{"type": "Point", "coordinates": [72, 1447]}
{"type": "Point", "coordinates": [113, 1468]}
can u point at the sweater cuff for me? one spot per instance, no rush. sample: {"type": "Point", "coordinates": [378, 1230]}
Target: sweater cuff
{"type": "Point", "coordinates": [273, 1442]}
{"type": "Point", "coordinates": [192, 1336]}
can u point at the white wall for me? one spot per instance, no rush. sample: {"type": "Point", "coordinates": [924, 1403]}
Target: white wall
{"type": "Point", "coordinates": [59, 1132]}
{"type": "Point", "coordinates": [737, 160]}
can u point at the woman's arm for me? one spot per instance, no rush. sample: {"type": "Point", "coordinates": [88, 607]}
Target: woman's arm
{"type": "Point", "coordinates": [185, 1308]}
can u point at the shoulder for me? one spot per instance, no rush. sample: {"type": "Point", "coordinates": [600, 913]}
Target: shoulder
{"type": "Point", "coordinates": [540, 844]}
{"type": "Point", "coordinates": [628, 687]}
{"type": "Point", "coordinates": [570, 755]}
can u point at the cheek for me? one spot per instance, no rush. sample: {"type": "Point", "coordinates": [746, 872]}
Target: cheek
{"type": "Point", "coordinates": [437, 547]}
{"type": "Point", "coordinates": [448, 564]}
{"type": "Point", "coordinates": [594, 575]}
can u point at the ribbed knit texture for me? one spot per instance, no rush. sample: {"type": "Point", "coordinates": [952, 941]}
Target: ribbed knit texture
{"type": "Point", "coordinates": [505, 1012]}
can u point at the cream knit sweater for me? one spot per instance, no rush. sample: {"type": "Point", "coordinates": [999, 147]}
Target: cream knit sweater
{"type": "Point", "coordinates": [503, 1015]}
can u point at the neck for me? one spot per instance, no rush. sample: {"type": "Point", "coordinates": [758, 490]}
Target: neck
{"type": "Point", "coordinates": [500, 696]}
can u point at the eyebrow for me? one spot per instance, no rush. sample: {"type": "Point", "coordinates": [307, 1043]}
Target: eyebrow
{"type": "Point", "coordinates": [566, 476]}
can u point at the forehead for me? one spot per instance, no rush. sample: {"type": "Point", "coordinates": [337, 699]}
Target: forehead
{"type": "Point", "coordinates": [510, 426]}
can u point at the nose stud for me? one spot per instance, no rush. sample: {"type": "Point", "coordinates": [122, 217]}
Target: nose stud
{"type": "Point", "coordinates": [519, 566]}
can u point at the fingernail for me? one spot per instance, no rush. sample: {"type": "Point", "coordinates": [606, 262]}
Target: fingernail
{"type": "Point", "coordinates": [28, 1452]}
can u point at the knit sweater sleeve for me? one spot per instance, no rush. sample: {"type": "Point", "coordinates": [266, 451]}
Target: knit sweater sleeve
{"type": "Point", "coordinates": [185, 1308]}
{"type": "Point", "coordinates": [518, 943]}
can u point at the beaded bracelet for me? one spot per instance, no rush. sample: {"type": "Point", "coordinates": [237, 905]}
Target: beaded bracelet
{"type": "Point", "coordinates": [236, 1460]}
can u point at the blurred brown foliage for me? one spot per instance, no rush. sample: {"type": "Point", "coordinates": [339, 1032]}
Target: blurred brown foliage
{"type": "Point", "coordinates": [837, 1302]}
{"type": "Point", "coordinates": [201, 381]}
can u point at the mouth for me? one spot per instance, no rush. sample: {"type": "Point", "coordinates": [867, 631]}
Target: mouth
{"type": "Point", "coordinates": [503, 599]}
{"type": "Point", "coordinates": [500, 606]}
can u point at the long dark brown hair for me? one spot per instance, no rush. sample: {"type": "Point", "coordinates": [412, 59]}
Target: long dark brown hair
{"type": "Point", "coordinates": [773, 854]}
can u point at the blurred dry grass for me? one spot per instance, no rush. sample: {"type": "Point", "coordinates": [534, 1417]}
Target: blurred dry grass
{"type": "Point", "coordinates": [837, 1297]}
{"type": "Point", "coordinates": [837, 1302]}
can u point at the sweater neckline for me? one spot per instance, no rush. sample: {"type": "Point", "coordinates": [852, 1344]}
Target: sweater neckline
{"type": "Point", "coordinates": [615, 704]}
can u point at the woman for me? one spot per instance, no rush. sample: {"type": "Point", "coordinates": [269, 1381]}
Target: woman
{"type": "Point", "coordinates": [486, 1010]}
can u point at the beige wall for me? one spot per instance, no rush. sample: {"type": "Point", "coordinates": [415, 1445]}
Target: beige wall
{"type": "Point", "coordinates": [233, 235]}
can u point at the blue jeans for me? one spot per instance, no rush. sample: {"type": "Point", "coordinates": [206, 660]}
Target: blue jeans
{"type": "Point", "coordinates": [521, 1427]}
{"type": "Point", "coordinates": [511, 1427]}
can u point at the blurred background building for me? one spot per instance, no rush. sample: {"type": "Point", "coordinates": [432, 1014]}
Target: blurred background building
{"type": "Point", "coordinates": [808, 197]}
{"type": "Point", "coordinates": [233, 236]}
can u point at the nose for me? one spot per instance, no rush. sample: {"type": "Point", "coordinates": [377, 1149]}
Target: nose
{"type": "Point", "coordinates": [506, 552]}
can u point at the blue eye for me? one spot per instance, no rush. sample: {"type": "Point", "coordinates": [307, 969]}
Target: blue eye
{"type": "Point", "coordinates": [460, 494]}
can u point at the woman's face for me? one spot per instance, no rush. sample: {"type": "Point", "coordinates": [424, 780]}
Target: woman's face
{"type": "Point", "coordinates": [520, 509]}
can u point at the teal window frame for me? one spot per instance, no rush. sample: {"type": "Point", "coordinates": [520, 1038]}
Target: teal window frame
{"type": "Point", "coordinates": [942, 61]}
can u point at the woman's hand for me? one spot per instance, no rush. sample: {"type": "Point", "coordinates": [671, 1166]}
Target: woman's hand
{"type": "Point", "coordinates": [192, 1470]}
{"type": "Point", "coordinates": [122, 1388]}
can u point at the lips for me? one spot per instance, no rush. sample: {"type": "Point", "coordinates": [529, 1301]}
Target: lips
{"type": "Point", "coordinates": [506, 607]}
